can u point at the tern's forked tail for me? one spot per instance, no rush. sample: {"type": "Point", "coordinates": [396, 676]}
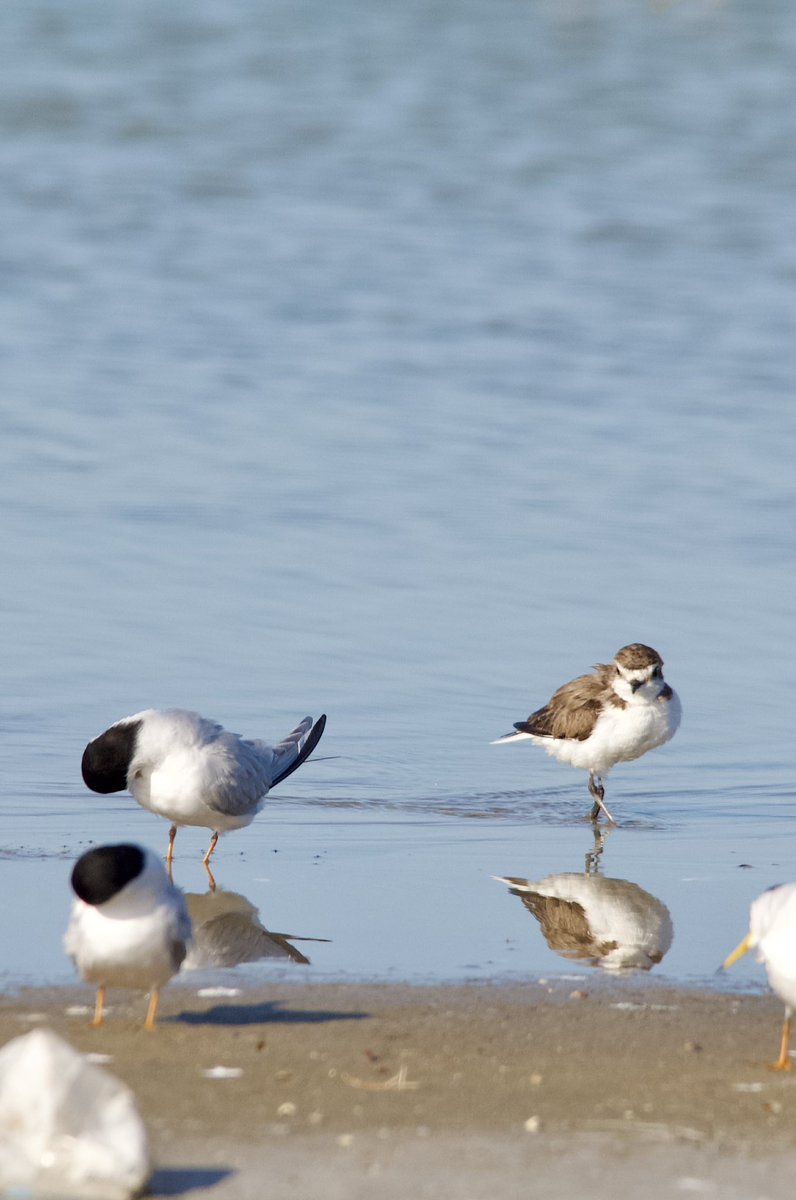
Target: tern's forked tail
{"type": "Point", "coordinates": [300, 742]}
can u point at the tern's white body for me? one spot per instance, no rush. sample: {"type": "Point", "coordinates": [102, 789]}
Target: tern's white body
{"type": "Point", "coordinates": [772, 934]}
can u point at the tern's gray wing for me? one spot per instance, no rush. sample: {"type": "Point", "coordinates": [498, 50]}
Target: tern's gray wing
{"type": "Point", "coordinates": [236, 775]}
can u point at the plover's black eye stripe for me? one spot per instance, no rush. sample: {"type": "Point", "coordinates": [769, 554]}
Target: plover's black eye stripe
{"type": "Point", "coordinates": [100, 874]}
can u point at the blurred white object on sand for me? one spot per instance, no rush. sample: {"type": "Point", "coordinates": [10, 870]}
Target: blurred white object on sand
{"type": "Point", "coordinates": [67, 1127]}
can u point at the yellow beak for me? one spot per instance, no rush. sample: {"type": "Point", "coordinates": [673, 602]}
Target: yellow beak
{"type": "Point", "coordinates": [737, 953]}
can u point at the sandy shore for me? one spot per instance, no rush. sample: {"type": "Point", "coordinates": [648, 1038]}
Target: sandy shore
{"type": "Point", "coordinates": [352, 1090]}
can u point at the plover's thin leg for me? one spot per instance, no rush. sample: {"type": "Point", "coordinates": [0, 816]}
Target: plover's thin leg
{"type": "Point", "coordinates": [598, 792]}
{"type": "Point", "coordinates": [783, 1062]}
{"type": "Point", "coordinates": [149, 1023]}
{"type": "Point", "coordinates": [99, 1006]}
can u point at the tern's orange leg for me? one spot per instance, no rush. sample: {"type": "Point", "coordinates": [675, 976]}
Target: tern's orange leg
{"type": "Point", "coordinates": [170, 851]}
{"type": "Point", "coordinates": [149, 1023]}
{"type": "Point", "coordinates": [99, 1006]}
{"type": "Point", "coordinates": [783, 1062]}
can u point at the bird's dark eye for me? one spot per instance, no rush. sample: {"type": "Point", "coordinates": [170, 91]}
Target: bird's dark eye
{"type": "Point", "coordinates": [657, 673]}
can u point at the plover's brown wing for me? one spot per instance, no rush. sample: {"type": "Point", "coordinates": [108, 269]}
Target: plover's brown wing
{"type": "Point", "coordinates": [573, 710]}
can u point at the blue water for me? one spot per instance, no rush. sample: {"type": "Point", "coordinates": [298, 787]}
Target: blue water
{"type": "Point", "coordinates": [400, 362]}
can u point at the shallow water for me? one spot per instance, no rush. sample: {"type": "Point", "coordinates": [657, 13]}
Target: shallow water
{"type": "Point", "coordinates": [400, 363]}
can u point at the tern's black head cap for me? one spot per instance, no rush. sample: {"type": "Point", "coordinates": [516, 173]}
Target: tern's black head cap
{"type": "Point", "coordinates": [107, 759]}
{"type": "Point", "coordinates": [100, 874]}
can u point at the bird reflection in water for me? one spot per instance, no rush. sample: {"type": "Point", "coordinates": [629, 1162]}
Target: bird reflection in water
{"type": "Point", "coordinates": [609, 923]}
{"type": "Point", "coordinates": [227, 931]}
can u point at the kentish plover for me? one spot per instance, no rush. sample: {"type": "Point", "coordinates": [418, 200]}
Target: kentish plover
{"type": "Point", "coordinates": [595, 721]}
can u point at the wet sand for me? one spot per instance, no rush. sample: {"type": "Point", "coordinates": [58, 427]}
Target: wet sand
{"type": "Point", "coordinates": [347, 1090]}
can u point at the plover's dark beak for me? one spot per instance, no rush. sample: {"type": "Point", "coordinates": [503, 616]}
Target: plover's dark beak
{"type": "Point", "coordinates": [635, 684]}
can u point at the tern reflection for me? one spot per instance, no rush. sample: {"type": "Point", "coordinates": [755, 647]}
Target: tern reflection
{"type": "Point", "coordinates": [609, 923]}
{"type": "Point", "coordinates": [227, 931]}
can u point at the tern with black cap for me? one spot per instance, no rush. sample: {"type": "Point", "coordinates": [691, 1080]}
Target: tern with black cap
{"type": "Point", "coordinates": [129, 926]}
{"type": "Point", "coordinates": [192, 771]}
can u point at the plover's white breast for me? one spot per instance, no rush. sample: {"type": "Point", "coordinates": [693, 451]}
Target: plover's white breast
{"type": "Point", "coordinates": [619, 735]}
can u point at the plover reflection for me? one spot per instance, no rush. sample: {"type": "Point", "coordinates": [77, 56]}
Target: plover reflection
{"type": "Point", "coordinates": [610, 923]}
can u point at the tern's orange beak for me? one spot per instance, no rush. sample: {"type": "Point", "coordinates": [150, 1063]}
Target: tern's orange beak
{"type": "Point", "coordinates": [737, 953]}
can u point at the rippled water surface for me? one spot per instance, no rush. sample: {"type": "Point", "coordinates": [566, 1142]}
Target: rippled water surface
{"type": "Point", "coordinates": [400, 362]}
